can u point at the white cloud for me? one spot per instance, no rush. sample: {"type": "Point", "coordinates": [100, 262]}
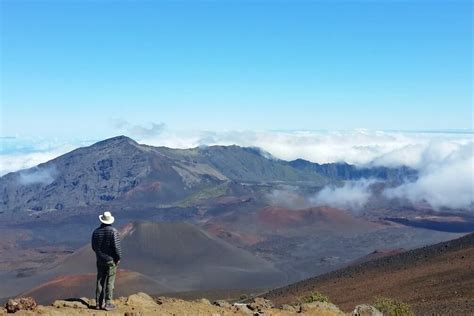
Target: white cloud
{"type": "Point", "coordinates": [446, 178]}
{"type": "Point", "coordinates": [22, 153]}
{"type": "Point", "coordinates": [136, 130]}
{"type": "Point", "coordinates": [37, 175]}
{"type": "Point", "coordinates": [15, 162]}
{"type": "Point", "coordinates": [358, 147]}
{"type": "Point", "coordinates": [288, 197]}
{"type": "Point", "coordinates": [353, 195]}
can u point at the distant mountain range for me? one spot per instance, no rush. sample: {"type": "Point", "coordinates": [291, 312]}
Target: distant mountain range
{"type": "Point", "coordinates": [120, 169]}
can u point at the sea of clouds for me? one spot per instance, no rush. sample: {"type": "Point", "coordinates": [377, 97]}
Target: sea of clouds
{"type": "Point", "coordinates": [444, 160]}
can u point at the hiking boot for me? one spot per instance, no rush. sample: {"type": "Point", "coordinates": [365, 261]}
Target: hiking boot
{"type": "Point", "coordinates": [98, 306]}
{"type": "Point", "coordinates": [109, 307]}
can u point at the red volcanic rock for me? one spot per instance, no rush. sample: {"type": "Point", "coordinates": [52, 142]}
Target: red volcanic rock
{"type": "Point", "coordinates": [279, 217]}
{"type": "Point", "coordinates": [21, 303]}
{"type": "Point", "coordinates": [146, 188]}
{"type": "Point", "coordinates": [221, 231]}
{"type": "Point", "coordinates": [283, 218]}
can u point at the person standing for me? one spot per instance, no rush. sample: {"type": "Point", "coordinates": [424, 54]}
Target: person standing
{"type": "Point", "coordinates": [106, 245]}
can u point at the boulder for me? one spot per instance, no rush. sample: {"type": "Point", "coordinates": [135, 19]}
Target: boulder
{"type": "Point", "coordinates": [88, 301]}
{"type": "Point", "coordinates": [366, 310]}
{"type": "Point", "coordinates": [167, 300]}
{"type": "Point", "coordinates": [204, 301]}
{"type": "Point", "coordinates": [141, 300]}
{"type": "Point", "coordinates": [20, 304]}
{"type": "Point", "coordinates": [321, 307]}
{"type": "Point", "coordinates": [259, 304]}
{"type": "Point", "coordinates": [222, 303]}
{"type": "Point", "coordinates": [242, 308]}
{"type": "Point", "coordinates": [70, 304]}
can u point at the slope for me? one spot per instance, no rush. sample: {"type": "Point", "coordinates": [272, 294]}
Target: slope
{"type": "Point", "coordinates": [434, 279]}
{"type": "Point", "coordinates": [172, 256]}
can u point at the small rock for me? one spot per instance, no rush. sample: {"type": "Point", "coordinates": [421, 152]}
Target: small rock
{"type": "Point", "coordinates": [242, 308]}
{"type": "Point", "coordinates": [88, 301]}
{"type": "Point", "coordinates": [70, 304]}
{"type": "Point", "coordinates": [129, 313]}
{"type": "Point", "coordinates": [222, 303]}
{"type": "Point", "coordinates": [289, 308]}
{"type": "Point", "coordinates": [41, 310]}
{"type": "Point", "coordinates": [366, 310]}
{"type": "Point", "coordinates": [204, 301]}
{"type": "Point", "coordinates": [163, 299]}
{"type": "Point", "coordinates": [141, 300]}
{"type": "Point", "coordinates": [259, 304]}
{"type": "Point", "coordinates": [21, 303]}
{"type": "Point", "coordinates": [320, 306]}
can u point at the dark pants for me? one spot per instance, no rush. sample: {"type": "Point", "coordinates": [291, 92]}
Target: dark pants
{"type": "Point", "coordinates": [105, 282]}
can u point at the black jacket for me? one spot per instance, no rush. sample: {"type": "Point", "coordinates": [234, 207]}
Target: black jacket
{"type": "Point", "coordinates": [106, 244]}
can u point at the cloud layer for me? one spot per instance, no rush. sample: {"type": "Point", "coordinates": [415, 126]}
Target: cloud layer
{"type": "Point", "coordinates": [353, 195]}
{"type": "Point", "coordinates": [445, 180]}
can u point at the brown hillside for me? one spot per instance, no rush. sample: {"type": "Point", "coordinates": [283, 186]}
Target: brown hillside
{"type": "Point", "coordinates": [169, 256]}
{"type": "Point", "coordinates": [435, 279]}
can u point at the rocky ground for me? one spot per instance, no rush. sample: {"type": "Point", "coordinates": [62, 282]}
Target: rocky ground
{"type": "Point", "coordinates": [143, 304]}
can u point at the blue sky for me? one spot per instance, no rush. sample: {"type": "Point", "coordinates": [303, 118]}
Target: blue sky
{"type": "Point", "coordinates": [76, 68]}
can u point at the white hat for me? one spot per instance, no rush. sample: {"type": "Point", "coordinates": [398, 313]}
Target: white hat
{"type": "Point", "coordinates": [106, 218]}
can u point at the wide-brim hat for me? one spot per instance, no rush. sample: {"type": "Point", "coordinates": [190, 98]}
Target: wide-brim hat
{"type": "Point", "coordinates": [106, 218]}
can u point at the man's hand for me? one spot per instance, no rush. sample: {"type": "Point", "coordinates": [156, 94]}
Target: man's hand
{"type": "Point", "coordinates": [117, 263]}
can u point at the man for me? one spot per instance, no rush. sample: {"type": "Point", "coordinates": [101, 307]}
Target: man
{"type": "Point", "coordinates": [106, 244]}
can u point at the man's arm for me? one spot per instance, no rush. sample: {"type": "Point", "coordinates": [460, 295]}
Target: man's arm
{"type": "Point", "coordinates": [93, 242]}
{"type": "Point", "coordinates": [117, 247]}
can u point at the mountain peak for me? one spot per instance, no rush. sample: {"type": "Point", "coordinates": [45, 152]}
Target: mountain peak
{"type": "Point", "coordinates": [117, 140]}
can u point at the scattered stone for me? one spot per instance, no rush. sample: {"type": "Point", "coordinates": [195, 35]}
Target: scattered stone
{"type": "Point", "coordinates": [242, 308]}
{"type": "Point", "coordinates": [320, 306]}
{"type": "Point", "coordinates": [163, 300]}
{"type": "Point", "coordinates": [366, 310]}
{"type": "Point", "coordinates": [21, 303]}
{"type": "Point", "coordinates": [130, 313]}
{"type": "Point", "coordinates": [70, 304]}
{"type": "Point", "coordinates": [259, 304]}
{"type": "Point", "coordinates": [204, 301]}
{"type": "Point", "coordinates": [88, 301]}
{"type": "Point", "coordinates": [141, 300]}
{"type": "Point", "coordinates": [289, 308]}
{"type": "Point", "coordinates": [43, 310]}
{"type": "Point", "coordinates": [222, 303]}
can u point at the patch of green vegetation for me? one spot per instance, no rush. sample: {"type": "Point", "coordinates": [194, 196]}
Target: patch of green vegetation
{"type": "Point", "coordinates": [392, 307]}
{"type": "Point", "coordinates": [206, 193]}
{"type": "Point", "coordinates": [315, 297]}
